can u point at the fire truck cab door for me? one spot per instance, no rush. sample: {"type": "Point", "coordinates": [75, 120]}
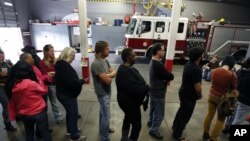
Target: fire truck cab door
{"type": "Point", "coordinates": [145, 29]}
{"type": "Point", "coordinates": [160, 30]}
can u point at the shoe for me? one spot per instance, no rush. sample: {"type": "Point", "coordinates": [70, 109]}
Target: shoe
{"type": "Point", "coordinates": [182, 139]}
{"type": "Point", "coordinates": [59, 121]}
{"type": "Point", "coordinates": [81, 138]}
{"type": "Point", "coordinates": [173, 128]}
{"type": "Point", "coordinates": [111, 130]}
{"type": "Point", "coordinates": [149, 124]}
{"type": "Point", "coordinates": [156, 135]}
{"type": "Point", "coordinates": [205, 136]}
{"type": "Point", "coordinates": [18, 118]}
{"type": "Point", "coordinates": [38, 135]}
{"type": "Point", "coordinates": [68, 134]}
{"type": "Point", "coordinates": [79, 116]}
{"type": "Point", "coordinates": [10, 127]}
{"type": "Point", "coordinates": [226, 130]}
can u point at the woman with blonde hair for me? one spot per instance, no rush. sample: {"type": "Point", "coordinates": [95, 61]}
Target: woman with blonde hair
{"type": "Point", "coordinates": [68, 87]}
{"type": "Point", "coordinates": [47, 65]}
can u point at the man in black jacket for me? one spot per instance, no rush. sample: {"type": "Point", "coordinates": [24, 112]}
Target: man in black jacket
{"type": "Point", "coordinates": [159, 77]}
{"type": "Point", "coordinates": [189, 93]}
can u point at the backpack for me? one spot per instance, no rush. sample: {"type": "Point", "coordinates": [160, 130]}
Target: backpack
{"type": "Point", "coordinates": [228, 103]}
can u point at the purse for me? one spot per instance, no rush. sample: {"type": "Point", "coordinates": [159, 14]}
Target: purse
{"type": "Point", "coordinates": [228, 103]}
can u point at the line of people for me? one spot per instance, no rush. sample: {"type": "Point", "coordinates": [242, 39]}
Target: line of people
{"type": "Point", "coordinates": [30, 80]}
{"type": "Point", "coordinates": [132, 91]}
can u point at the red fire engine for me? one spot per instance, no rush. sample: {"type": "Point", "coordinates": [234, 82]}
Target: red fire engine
{"type": "Point", "coordinates": [215, 38]}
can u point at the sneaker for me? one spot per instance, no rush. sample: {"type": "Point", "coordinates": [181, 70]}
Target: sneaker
{"type": "Point", "coordinates": [10, 127]}
{"type": "Point", "coordinates": [59, 121]}
{"type": "Point", "coordinates": [68, 134]}
{"type": "Point", "coordinates": [149, 124]}
{"type": "Point", "coordinates": [156, 135]}
{"type": "Point", "coordinates": [81, 138]}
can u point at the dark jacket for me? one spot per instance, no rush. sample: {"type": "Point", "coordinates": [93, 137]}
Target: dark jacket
{"type": "Point", "coordinates": [131, 86]}
{"type": "Point", "coordinates": [159, 77]}
{"type": "Point", "coordinates": [3, 79]}
{"type": "Point", "coordinates": [67, 80]}
{"type": "Point", "coordinates": [244, 86]}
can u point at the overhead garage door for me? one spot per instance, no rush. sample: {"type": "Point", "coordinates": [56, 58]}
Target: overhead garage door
{"type": "Point", "coordinates": [8, 15]}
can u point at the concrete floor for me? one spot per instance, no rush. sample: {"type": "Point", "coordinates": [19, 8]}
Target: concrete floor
{"type": "Point", "coordinates": [89, 110]}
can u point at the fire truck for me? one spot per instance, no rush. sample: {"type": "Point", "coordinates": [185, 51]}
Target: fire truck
{"type": "Point", "coordinates": [215, 38]}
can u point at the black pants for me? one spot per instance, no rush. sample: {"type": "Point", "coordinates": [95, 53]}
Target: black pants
{"type": "Point", "coordinates": [70, 105]}
{"type": "Point", "coordinates": [133, 117]}
{"type": "Point", "coordinates": [183, 116]}
{"type": "Point", "coordinates": [38, 133]}
{"type": "Point", "coordinates": [41, 121]}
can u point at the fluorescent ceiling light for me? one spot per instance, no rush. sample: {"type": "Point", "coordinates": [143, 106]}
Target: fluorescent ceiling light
{"type": "Point", "coordinates": [8, 4]}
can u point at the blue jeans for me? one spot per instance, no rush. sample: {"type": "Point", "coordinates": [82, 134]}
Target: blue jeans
{"type": "Point", "coordinates": [241, 114]}
{"type": "Point", "coordinates": [53, 101]}
{"type": "Point", "coordinates": [156, 113]}
{"type": "Point", "coordinates": [4, 103]}
{"type": "Point", "coordinates": [41, 121]}
{"type": "Point", "coordinates": [207, 74]}
{"type": "Point", "coordinates": [70, 105]}
{"type": "Point", "coordinates": [104, 116]}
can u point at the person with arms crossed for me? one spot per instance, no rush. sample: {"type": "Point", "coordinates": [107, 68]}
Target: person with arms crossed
{"type": "Point", "coordinates": [103, 74]}
{"type": "Point", "coordinates": [159, 78]}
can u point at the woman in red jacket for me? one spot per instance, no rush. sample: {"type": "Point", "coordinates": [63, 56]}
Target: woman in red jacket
{"type": "Point", "coordinates": [25, 100]}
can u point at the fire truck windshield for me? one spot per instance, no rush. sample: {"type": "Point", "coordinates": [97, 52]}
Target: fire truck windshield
{"type": "Point", "coordinates": [131, 26]}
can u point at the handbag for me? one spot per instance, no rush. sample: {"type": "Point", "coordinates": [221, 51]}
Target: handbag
{"type": "Point", "coordinates": [228, 103]}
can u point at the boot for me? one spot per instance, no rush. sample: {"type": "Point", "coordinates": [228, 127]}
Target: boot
{"type": "Point", "coordinates": [125, 133]}
{"type": "Point", "coordinates": [9, 127]}
{"type": "Point", "coordinates": [226, 129]}
{"type": "Point", "coordinates": [205, 136]}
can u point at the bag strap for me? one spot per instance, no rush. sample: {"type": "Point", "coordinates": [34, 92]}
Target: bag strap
{"type": "Point", "coordinates": [229, 88]}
